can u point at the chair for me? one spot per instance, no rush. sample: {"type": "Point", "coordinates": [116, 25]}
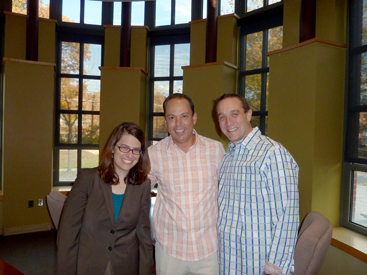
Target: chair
{"type": "Point", "coordinates": [313, 241]}
{"type": "Point", "coordinates": [55, 204]}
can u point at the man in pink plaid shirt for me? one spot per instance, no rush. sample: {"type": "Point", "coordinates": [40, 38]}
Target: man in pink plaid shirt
{"type": "Point", "coordinates": [186, 167]}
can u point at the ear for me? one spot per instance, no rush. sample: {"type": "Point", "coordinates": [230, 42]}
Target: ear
{"type": "Point", "coordinates": [249, 115]}
{"type": "Point", "coordinates": [165, 121]}
{"type": "Point", "coordinates": [195, 117]}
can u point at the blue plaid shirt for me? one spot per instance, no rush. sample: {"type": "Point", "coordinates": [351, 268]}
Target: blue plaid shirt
{"type": "Point", "coordinates": [258, 207]}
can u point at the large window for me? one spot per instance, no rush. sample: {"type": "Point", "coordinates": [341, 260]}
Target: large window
{"type": "Point", "coordinates": [20, 6]}
{"type": "Point", "coordinates": [258, 36]}
{"type": "Point", "coordinates": [78, 106]}
{"type": "Point", "coordinates": [354, 184]}
{"type": "Point", "coordinates": [168, 55]}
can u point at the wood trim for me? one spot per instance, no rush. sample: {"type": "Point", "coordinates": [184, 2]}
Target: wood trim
{"type": "Point", "coordinates": [211, 64]}
{"type": "Point", "coordinates": [24, 15]}
{"type": "Point", "coordinates": [27, 229]}
{"type": "Point", "coordinates": [229, 15]}
{"type": "Point", "coordinates": [133, 27]}
{"type": "Point", "coordinates": [350, 242]}
{"type": "Point", "coordinates": [28, 61]}
{"type": "Point", "coordinates": [313, 40]}
{"type": "Point", "coordinates": [124, 68]}
{"type": "Point", "coordinates": [197, 21]}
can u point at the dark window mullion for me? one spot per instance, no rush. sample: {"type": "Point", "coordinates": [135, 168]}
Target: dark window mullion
{"type": "Point", "coordinates": [82, 9]}
{"type": "Point", "coordinates": [173, 12]}
{"type": "Point", "coordinates": [171, 66]}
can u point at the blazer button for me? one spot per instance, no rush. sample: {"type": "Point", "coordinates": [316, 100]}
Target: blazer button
{"type": "Point", "coordinates": [109, 248]}
{"type": "Point", "coordinates": [112, 231]}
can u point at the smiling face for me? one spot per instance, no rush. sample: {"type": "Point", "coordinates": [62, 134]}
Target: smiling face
{"type": "Point", "coordinates": [180, 122]}
{"type": "Point", "coordinates": [233, 121]}
{"type": "Point", "coordinates": [123, 162]}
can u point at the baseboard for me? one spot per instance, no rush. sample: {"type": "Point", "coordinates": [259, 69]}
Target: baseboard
{"type": "Point", "coordinates": [26, 229]}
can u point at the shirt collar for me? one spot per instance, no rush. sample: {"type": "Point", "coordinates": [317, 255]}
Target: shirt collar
{"type": "Point", "coordinates": [198, 141]}
{"type": "Point", "coordinates": [248, 141]}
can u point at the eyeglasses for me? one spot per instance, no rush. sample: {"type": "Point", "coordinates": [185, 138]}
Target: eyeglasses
{"type": "Point", "coordinates": [126, 149]}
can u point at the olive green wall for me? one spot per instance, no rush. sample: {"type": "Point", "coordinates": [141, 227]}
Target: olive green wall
{"type": "Point", "coordinates": [139, 47]}
{"type": "Point", "coordinates": [197, 42]}
{"type": "Point", "coordinates": [28, 125]}
{"type": "Point", "coordinates": [306, 110]}
{"type": "Point", "coordinates": [123, 99]}
{"type": "Point", "coordinates": [204, 84]}
{"type": "Point", "coordinates": [228, 34]}
{"type": "Point", "coordinates": [15, 38]}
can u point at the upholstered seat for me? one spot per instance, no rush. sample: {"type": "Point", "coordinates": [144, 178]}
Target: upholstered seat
{"type": "Point", "coordinates": [313, 241]}
{"type": "Point", "coordinates": [55, 204]}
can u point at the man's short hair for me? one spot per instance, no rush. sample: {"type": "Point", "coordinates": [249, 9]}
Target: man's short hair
{"type": "Point", "coordinates": [243, 100]}
{"type": "Point", "coordinates": [179, 96]}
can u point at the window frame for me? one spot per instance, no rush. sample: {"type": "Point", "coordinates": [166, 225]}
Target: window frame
{"type": "Point", "coordinates": [262, 19]}
{"type": "Point", "coordinates": [158, 41]}
{"type": "Point", "coordinates": [79, 146]}
{"type": "Point", "coordinates": [351, 161]}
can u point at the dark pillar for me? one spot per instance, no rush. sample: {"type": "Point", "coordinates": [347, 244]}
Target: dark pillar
{"type": "Point", "coordinates": [125, 34]}
{"type": "Point", "coordinates": [32, 30]}
{"type": "Point", "coordinates": [211, 32]}
{"type": "Point", "coordinates": [308, 20]}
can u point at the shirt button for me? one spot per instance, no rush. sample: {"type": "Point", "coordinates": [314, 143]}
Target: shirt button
{"type": "Point", "coordinates": [112, 231]}
{"type": "Point", "coordinates": [109, 248]}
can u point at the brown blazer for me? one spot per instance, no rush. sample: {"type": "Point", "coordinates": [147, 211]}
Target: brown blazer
{"type": "Point", "coordinates": [88, 236]}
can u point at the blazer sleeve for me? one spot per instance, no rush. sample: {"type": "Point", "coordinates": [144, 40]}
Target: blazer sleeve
{"type": "Point", "coordinates": [143, 233]}
{"type": "Point", "coordinates": [70, 225]}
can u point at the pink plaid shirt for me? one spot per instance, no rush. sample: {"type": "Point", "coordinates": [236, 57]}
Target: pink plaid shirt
{"type": "Point", "coordinates": [186, 209]}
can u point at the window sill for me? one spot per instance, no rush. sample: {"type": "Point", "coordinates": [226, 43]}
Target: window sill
{"type": "Point", "coordinates": [350, 242]}
{"type": "Point", "coordinates": [62, 189]}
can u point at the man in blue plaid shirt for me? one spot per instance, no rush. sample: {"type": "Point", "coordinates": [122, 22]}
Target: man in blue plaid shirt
{"type": "Point", "coordinates": [258, 197]}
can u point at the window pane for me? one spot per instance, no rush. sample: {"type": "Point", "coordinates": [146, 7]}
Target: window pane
{"type": "Point", "coordinates": [255, 121]}
{"type": "Point", "coordinates": [182, 58]}
{"type": "Point", "coordinates": [44, 8]}
{"type": "Point", "coordinates": [177, 86]}
{"type": "Point", "coordinates": [92, 59]}
{"type": "Point", "coordinates": [93, 12]}
{"type": "Point", "coordinates": [90, 158]}
{"type": "Point", "coordinates": [254, 5]}
{"type": "Point", "coordinates": [275, 39]}
{"type": "Point", "coordinates": [273, 1]}
{"type": "Point", "coordinates": [20, 6]}
{"type": "Point", "coordinates": [253, 91]}
{"type": "Point", "coordinates": [159, 128]}
{"type": "Point", "coordinates": [68, 165]}
{"type": "Point", "coordinates": [359, 203]}
{"type": "Point", "coordinates": [161, 91]}
{"type": "Point", "coordinates": [183, 11]}
{"type": "Point", "coordinates": [205, 8]}
{"type": "Point", "coordinates": [254, 50]}
{"type": "Point", "coordinates": [227, 7]}
{"type": "Point", "coordinates": [90, 129]}
{"type": "Point", "coordinates": [364, 23]}
{"type": "Point", "coordinates": [117, 13]}
{"type": "Point", "coordinates": [163, 12]}
{"type": "Point", "coordinates": [91, 94]}
{"type": "Point", "coordinates": [362, 137]}
{"type": "Point", "coordinates": [70, 58]}
{"type": "Point", "coordinates": [161, 60]}
{"type": "Point", "coordinates": [363, 87]}
{"type": "Point", "coordinates": [69, 128]}
{"type": "Point", "coordinates": [71, 11]}
{"type": "Point", "coordinates": [137, 13]}
{"type": "Point", "coordinates": [69, 95]}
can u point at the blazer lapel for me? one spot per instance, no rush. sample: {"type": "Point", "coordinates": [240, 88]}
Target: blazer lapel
{"type": "Point", "coordinates": [107, 194]}
{"type": "Point", "coordinates": [127, 202]}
